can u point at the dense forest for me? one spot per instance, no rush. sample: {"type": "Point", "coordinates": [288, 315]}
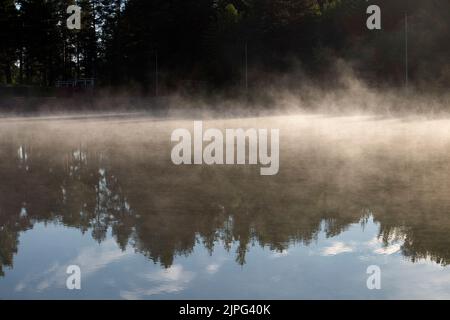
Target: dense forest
{"type": "Point", "coordinates": [219, 43]}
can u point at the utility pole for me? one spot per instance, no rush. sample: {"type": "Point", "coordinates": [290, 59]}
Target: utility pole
{"type": "Point", "coordinates": [406, 52]}
{"type": "Point", "coordinates": [246, 68]}
{"type": "Point", "coordinates": [156, 73]}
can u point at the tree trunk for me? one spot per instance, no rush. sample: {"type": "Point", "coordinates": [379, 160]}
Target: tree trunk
{"type": "Point", "coordinates": [8, 75]}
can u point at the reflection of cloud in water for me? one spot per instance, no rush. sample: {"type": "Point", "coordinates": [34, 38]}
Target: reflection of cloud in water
{"type": "Point", "coordinates": [394, 245]}
{"type": "Point", "coordinates": [389, 249]}
{"type": "Point", "coordinates": [90, 260]}
{"type": "Point", "coordinates": [170, 280]}
{"type": "Point", "coordinates": [336, 248]}
{"type": "Point", "coordinates": [212, 268]}
{"type": "Point", "coordinates": [26, 282]}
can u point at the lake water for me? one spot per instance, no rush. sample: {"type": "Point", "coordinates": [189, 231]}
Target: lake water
{"type": "Point", "coordinates": [103, 194]}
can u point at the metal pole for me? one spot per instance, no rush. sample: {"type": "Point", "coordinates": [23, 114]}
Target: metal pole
{"type": "Point", "coordinates": [406, 51]}
{"type": "Point", "coordinates": [156, 73]}
{"type": "Point", "coordinates": [246, 68]}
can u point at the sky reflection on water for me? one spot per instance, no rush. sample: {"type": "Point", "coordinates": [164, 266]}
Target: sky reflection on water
{"type": "Point", "coordinates": [326, 269]}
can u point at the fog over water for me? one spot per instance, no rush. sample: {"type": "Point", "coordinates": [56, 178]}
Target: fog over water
{"type": "Point", "coordinates": [102, 192]}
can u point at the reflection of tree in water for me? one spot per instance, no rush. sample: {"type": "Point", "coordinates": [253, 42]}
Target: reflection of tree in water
{"type": "Point", "coordinates": [94, 200]}
{"type": "Point", "coordinates": [9, 234]}
{"type": "Point", "coordinates": [72, 191]}
{"type": "Point", "coordinates": [163, 211]}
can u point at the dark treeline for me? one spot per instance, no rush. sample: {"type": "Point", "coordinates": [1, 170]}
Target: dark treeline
{"type": "Point", "coordinates": [137, 43]}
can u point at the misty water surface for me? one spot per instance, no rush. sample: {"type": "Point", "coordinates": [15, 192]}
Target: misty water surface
{"type": "Point", "coordinates": [103, 194]}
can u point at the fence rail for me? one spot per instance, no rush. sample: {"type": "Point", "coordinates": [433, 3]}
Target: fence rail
{"type": "Point", "coordinates": [76, 83]}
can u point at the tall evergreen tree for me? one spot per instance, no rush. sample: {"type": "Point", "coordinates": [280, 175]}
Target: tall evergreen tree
{"type": "Point", "coordinates": [9, 24]}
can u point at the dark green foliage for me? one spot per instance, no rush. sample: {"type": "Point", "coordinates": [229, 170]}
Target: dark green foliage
{"type": "Point", "coordinates": [204, 40]}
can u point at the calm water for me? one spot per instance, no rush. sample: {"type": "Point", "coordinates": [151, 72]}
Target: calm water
{"type": "Point", "coordinates": [103, 194]}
